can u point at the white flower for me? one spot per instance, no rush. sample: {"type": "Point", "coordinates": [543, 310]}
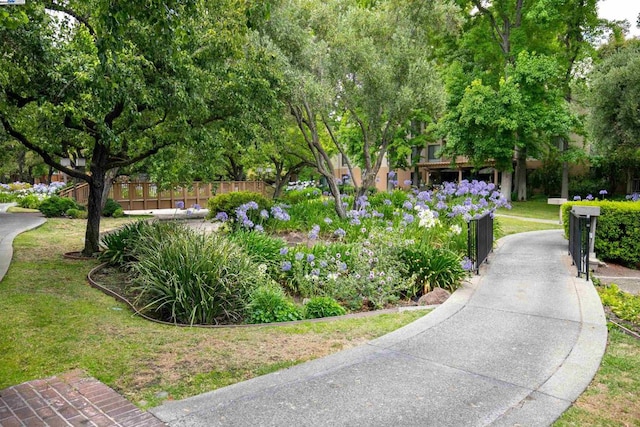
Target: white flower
{"type": "Point", "coordinates": [427, 218]}
{"type": "Point", "coordinates": [455, 229]}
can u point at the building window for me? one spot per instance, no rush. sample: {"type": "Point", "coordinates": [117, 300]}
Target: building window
{"type": "Point", "coordinates": [433, 153]}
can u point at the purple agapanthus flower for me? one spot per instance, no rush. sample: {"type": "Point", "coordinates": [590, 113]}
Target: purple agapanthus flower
{"type": "Point", "coordinates": [222, 216]}
{"type": "Point", "coordinates": [315, 230]}
{"type": "Point", "coordinates": [180, 205]}
{"type": "Point", "coordinates": [286, 266]}
{"type": "Point", "coordinates": [466, 264]}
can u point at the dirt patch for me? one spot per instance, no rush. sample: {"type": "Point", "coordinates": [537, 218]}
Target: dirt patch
{"type": "Point", "coordinates": [616, 270]}
{"type": "Point", "coordinates": [626, 278]}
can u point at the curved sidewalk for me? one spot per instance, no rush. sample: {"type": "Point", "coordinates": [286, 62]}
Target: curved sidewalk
{"type": "Point", "coordinates": [10, 226]}
{"type": "Point", "coordinates": [516, 347]}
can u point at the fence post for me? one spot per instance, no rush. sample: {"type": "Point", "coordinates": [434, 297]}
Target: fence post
{"type": "Point", "coordinates": [479, 240]}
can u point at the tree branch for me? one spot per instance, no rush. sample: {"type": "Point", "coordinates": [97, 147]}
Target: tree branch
{"type": "Point", "coordinates": [20, 101]}
{"type": "Point", "coordinates": [41, 152]}
{"type": "Point", "coordinates": [117, 163]}
{"type": "Point", "coordinates": [497, 34]}
{"type": "Point", "coordinates": [84, 20]}
{"type": "Point", "coordinates": [114, 114]}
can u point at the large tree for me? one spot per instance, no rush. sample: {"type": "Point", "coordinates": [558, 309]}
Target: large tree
{"type": "Point", "coordinates": [614, 103]}
{"type": "Point", "coordinates": [115, 82]}
{"type": "Point", "coordinates": [523, 55]}
{"type": "Point", "coordinates": [366, 66]}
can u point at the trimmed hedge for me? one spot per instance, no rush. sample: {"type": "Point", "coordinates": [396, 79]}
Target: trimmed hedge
{"type": "Point", "coordinates": [56, 206]}
{"type": "Point", "coordinates": [229, 202]}
{"type": "Point", "coordinates": [617, 230]}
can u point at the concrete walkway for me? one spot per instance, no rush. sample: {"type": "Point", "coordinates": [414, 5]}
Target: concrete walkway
{"type": "Point", "coordinates": [516, 347]}
{"type": "Point", "coordinates": [10, 226]}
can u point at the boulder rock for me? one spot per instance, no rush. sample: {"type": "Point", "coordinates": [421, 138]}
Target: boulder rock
{"type": "Point", "coordinates": [436, 296]}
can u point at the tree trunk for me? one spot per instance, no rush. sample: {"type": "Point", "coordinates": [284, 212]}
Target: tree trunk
{"type": "Point", "coordinates": [335, 191]}
{"type": "Point", "coordinates": [94, 211]}
{"type": "Point", "coordinates": [521, 174]}
{"type": "Point", "coordinates": [505, 184]}
{"type": "Point", "coordinates": [108, 183]}
{"type": "Point", "coordinates": [564, 188]}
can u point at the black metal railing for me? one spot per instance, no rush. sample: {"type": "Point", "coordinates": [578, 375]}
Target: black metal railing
{"type": "Point", "coordinates": [579, 227]}
{"type": "Point", "coordinates": [479, 240]}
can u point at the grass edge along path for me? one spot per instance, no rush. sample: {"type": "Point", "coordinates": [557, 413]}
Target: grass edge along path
{"type": "Point", "coordinates": [54, 322]}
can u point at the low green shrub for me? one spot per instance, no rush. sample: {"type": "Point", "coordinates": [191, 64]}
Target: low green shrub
{"type": "Point", "coordinates": [118, 213]}
{"type": "Point", "coordinates": [584, 186]}
{"type": "Point", "coordinates": [318, 307]}
{"type": "Point", "coordinates": [56, 206]}
{"type": "Point", "coordinates": [229, 202]}
{"type": "Point", "coordinates": [617, 230]}
{"type": "Point", "coordinates": [192, 278]}
{"type": "Point", "coordinates": [76, 214]}
{"type": "Point", "coordinates": [626, 306]}
{"type": "Point", "coordinates": [30, 201]}
{"type": "Point", "coordinates": [307, 213]}
{"type": "Point", "coordinates": [110, 206]}
{"type": "Point", "coordinates": [297, 196]}
{"type": "Point", "coordinates": [364, 274]}
{"type": "Point", "coordinates": [7, 197]}
{"type": "Point", "coordinates": [268, 303]}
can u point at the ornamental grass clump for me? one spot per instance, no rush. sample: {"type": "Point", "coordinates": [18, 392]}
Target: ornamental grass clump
{"type": "Point", "coordinates": [193, 278]}
{"type": "Point", "coordinates": [262, 248]}
{"type": "Point", "coordinates": [118, 246]}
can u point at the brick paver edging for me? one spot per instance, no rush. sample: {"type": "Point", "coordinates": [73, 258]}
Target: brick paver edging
{"type": "Point", "coordinates": [70, 399]}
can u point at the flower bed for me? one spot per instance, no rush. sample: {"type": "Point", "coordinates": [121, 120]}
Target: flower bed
{"type": "Point", "coordinates": [391, 247]}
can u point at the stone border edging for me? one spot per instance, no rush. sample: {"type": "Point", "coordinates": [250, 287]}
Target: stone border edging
{"type": "Point", "coordinates": [124, 300]}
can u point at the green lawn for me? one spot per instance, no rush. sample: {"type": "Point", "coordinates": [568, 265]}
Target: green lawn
{"type": "Point", "coordinates": [52, 321]}
{"type": "Point", "coordinates": [612, 397]}
{"type": "Point", "coordinates": [505, 226]}
{"type": "Point", "coordinates": [532, 209]}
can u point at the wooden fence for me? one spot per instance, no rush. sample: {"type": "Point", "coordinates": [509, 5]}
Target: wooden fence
{"type": "Point", "coordinates": [147, 196]}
